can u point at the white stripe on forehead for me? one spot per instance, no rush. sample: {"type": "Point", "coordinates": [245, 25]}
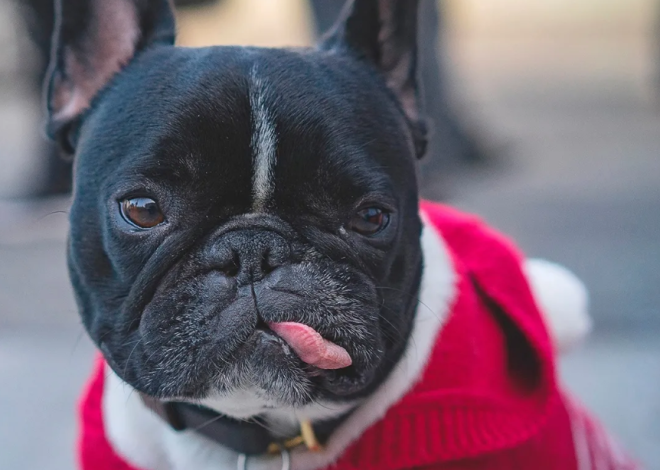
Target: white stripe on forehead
{"type": "Point", "coordinates": [263, 145]}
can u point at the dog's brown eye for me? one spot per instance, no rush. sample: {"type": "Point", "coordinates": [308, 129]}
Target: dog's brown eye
{"type": "Point", "coordinates": [141, 212]}
{"type": "Point", "coordinates": [369, 221]}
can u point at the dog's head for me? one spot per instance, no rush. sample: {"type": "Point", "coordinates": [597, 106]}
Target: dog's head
{"type": "Point", "coordinates": [222, 189]}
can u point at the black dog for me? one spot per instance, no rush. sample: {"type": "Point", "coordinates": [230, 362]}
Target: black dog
{"type": "Point", "coordinates": [220, 189]}
{"type": "Point", "coordinates": [245, 235]}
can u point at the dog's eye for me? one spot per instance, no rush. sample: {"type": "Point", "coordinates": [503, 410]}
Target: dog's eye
{"type": "Point", "coordinates": [369, 221]}
{"type": "Point", "coordinates": [141, 212]}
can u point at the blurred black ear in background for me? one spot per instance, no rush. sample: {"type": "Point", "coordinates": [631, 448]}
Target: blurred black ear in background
{"type": "Point", "coordinates": [657, 55]}
{"type": "Point", "coordinates": [451, 145]}
{"type": "Point", "coordinates": [39, 16]}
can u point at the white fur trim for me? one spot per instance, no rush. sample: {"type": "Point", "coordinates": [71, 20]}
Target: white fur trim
{"type": "Point", "coordinates": [146, 441]}
{"type": "Point", "coordinates": [135, 432]}
{"type": "Point", "coordinates": [563, 300]}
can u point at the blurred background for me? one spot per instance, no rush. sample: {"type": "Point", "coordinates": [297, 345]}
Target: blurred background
{"type": "Point", "coordinates": [547, 125]}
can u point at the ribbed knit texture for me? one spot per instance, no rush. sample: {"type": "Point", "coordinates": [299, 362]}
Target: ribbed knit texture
{"type": "Point", "coordinates": [94, 450]}
{"type": "Point", "coordinates": [488, 399]}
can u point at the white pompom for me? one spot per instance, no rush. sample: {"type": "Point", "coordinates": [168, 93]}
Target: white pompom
{"type": "Point", "coordinates": [563, 300]}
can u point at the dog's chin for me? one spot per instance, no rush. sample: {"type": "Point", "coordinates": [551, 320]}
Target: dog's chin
{"type": "Point", "coordinates": [200, 337]}
{"type": "Point", "coordinates": [266, 365]}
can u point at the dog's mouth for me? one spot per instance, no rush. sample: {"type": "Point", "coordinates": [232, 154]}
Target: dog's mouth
{"type": "Point", "coordinates": [314, 351]}
{"type": "Point", "coordinates": [311, 347]}
{"type": "Point", "coordinates": [328, 368]}
{"type": "Point", "coordinates": [309, 333]}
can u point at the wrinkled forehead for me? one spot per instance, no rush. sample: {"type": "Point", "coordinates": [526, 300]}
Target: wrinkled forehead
{"type": "Point", "coordinates": [259, 126]}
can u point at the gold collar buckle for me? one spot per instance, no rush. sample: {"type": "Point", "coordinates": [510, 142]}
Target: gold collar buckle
{"type": "Point", "coordinates": [306, 436]}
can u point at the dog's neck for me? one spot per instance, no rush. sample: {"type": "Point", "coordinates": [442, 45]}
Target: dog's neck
{"type": "Point", "coordinates": [281, 421]}
{"type": "Point", "coordinates": [146, 441]}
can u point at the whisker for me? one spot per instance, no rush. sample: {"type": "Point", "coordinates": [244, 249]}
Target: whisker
{"type": "Point", "coordinates": [39, 219]}
{"type": "Point", "coordinates": [419, 301]}
{"type": "Point", "coordinates": [77, 341]}
{"type": "Point", "coordinates": [128, 359]}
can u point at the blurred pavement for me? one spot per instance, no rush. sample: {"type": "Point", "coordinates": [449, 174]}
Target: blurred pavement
{"type": "Point", "coordinates": [576, 180]}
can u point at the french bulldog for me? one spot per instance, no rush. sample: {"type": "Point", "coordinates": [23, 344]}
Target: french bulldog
{"type": "Point", "coordinates": [248, 253]}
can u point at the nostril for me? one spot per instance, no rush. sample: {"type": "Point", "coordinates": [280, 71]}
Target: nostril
{"type": "Point", "coordinates": [266, 264]}
{"type": "Point", "coordinates": [250, 255]}
{"type": "Point", "coordinates": [235, 265]}
{"type": "Point", "coordinates": [231, 266]}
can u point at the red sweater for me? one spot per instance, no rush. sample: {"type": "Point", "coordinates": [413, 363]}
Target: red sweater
{"type": "Point", "coordinates": [488, 399]}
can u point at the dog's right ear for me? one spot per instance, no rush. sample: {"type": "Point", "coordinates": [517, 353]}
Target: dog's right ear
{"type": "Point", "coordinates": [94, 40]}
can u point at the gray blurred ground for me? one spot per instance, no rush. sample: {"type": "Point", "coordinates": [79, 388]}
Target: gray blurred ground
{"type": "Point", "coordinates": [577, 180]}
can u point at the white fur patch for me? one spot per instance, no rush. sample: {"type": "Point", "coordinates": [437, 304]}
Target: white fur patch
{"type": "Point", "coordinates": [263, 145]}
{"type": "Point", "coordinates": [563, 300]}
{"type": "Point", "coordinates": [244, 404]}
{"type": "Point", "coordinates": [147, 442]}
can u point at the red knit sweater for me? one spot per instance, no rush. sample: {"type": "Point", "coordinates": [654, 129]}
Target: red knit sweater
{"type": "Point", "coordinates": [488, 399]}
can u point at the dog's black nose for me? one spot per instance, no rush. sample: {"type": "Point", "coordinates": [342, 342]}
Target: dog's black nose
{"type": "Point", "coordinates": [250, 255]}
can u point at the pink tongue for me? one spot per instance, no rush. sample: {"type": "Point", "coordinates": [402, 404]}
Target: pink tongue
{"type": "Point", "coordinates": [310, 346]}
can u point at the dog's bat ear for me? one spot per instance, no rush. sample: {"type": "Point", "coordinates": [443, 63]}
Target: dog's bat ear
{"type": "Point", "coordinates": [92, 41]}
{"type": "Point", "coordinates": [384, 33]}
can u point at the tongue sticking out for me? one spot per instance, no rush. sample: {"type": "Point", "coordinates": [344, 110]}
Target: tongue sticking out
{"type": "Point", "coordinates": [310, 346]}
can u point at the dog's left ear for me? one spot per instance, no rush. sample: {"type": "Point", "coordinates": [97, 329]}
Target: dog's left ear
{"type": "Point", "coordinates": [93, 41]}
{"type": "Point", "coordinates": [384, 33]}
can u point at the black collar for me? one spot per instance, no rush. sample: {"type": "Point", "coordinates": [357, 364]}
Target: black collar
{"type": "Point", "coordinates": [245, 437]}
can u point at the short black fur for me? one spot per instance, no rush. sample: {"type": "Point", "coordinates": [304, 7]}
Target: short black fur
{"type": "Point", "coordinates": [181, 310]}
